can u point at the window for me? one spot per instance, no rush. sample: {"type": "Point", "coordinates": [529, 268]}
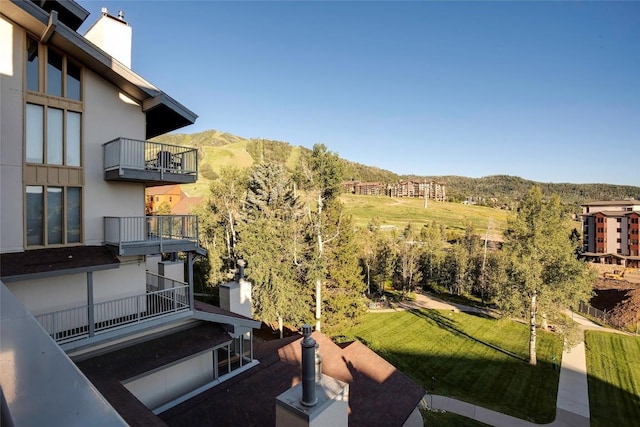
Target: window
{"type": "Point", "coordinates": [33, 65]}
{"type": "Point", "coordinates": [53, 139]}
{"type": "Point", "coordinates": [618, 230]}
{"type": "Point", "coordinates": [618, 219]}
{"type": "Point", "coordinates": [61, 139]}
{"type": "Point", "coordinates": [62, 222]}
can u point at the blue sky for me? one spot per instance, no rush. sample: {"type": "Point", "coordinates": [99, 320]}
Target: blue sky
{"type": "Point", "coordinates": [549, 91]}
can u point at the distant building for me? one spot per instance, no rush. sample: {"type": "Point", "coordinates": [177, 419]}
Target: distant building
{"type": "Point", "coordinates": [179, 201]}
{"type": "Point", "coordinates": [432, 189]}
{"type": "Point", "coordinates": [611, 232]}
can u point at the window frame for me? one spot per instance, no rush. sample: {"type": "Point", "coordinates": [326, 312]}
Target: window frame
{"type": "Point", "coordinates": [50, 175]}
{"type": "Point", "coordinates": [65, 213]}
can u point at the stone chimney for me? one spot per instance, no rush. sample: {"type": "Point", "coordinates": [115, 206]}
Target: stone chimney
{"type": "Point", "coordinates": [113, 35]}
{"type": "Point", "coordinates": [319, 400]}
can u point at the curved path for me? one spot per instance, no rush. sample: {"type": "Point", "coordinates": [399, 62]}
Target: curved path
{"type": "Point", "coordinates": [572, 404]}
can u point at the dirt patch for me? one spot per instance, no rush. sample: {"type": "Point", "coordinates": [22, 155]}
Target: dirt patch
{"type": "Point", "coordinates": [607, 299]}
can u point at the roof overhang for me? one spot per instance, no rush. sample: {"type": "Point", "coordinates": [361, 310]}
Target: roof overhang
{"type": "Point", "coordinates": [71, 13]}
{"type": "Point", "coordinates": [164, 114]}
{"type": "Point", "coordinates": [43, 263]}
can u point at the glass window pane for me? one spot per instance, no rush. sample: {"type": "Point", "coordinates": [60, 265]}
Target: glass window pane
{"type": "Point", "coordinates": [34, 134]}
{"type": "Point", "coordinates": [34, 215]}
{"type": "Point", "coordinates": [54, 215]}
{"type": "Point", "coordinates": [54, 74]}
{"type": "Point", "coordinates": [73, 214]}
{"type": "Point", "coordinates": [54, 136]}
{"type": "Point", "coordinates": [32, 65]}
{"type": "Point", "coordinates": [73, 81]}
{"type": "Point", "coordinates": [72, 157]}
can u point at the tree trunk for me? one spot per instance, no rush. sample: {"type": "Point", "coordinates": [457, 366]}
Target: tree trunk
{"type": "Point", "coordinates": [545, 323]}
{"type": "Point", "coordinates": [532, 330]}
{"type": "Point", "coordinates": [318, 280]}
{"type": "Point", "coordinates": [280, 327]}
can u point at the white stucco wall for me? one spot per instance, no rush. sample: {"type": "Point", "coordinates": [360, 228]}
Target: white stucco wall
{"type": "Point", "coordinates": [107, 116]}
{"type": "Point", "coordinates": [166, 384]}
{"type": "Point", "coordinates": [61, 292]}
{"type": "Point", "coordinates": [11, 111]}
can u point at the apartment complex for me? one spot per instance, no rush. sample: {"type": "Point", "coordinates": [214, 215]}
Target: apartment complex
{"type": "Point", "coordinates": [99, 322]}
{"type": "Point", "coordinates": [423, 189]}
{"type": "Point", "coordinates": [611, 232]}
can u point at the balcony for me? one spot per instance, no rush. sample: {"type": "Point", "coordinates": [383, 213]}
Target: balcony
{"type": "Point", "coordinates": [154, 234]}
{"type": "Point", "coordinates": [164, 297]}
{"type": "Point", "coordinates": [153, 163]}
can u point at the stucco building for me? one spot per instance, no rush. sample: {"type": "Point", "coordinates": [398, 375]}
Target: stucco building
{"type": "Point", "coordinates": [611, 232]}
{"type": "Point", "coordinates": [98, 328]}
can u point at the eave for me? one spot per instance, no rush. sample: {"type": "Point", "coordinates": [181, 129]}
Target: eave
{"type": "Point", "coordinates": [164, 114]}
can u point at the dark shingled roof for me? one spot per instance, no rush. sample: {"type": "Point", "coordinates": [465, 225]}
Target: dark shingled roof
{"type": "Point", "coordinates": [56, 260]}
{"type": "Point", "coordinates": [249, 398]}
{"type": "Point", "coordinates": [106, 371]}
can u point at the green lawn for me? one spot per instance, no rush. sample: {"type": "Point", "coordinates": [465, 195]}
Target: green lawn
{"type": "Point", "coordinates": [472, 358]}
{"type": "Point", "coordinates": [448, 419]}
{"type": "Point", "coordinates": [613, 366]}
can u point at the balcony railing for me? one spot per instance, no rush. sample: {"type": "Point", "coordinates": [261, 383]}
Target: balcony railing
{"type": "Point", "coordinates": [154, 163]}
{"type": "Point", "coordinates": [152, 234]}
{"type": "Point", "coordinates": [89, 320]}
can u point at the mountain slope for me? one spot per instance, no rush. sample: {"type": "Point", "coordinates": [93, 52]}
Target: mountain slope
{"type": "Point", "coordinates": [219, 149]}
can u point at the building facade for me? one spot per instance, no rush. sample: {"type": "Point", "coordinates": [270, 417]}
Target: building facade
{"type": "Point", "coordinates": [611, 232]}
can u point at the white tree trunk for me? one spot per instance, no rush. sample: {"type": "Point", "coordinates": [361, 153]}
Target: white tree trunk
{"type": "Point", "coordinates": [280, 327]}
{"type": "Point", "coordinates": [532, 330]}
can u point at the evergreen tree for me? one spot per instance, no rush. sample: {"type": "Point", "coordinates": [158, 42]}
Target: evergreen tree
{"type": "Point", "coordinates": [266, 239]}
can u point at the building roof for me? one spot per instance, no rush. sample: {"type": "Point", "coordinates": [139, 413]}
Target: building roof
{"type": "Point", "coordinates": [184, 206]}
{"type": "Point", "coordinates": [46, 262]}
{"type": "Point", "coordinates": [613, 203]}
{"type": "Point", "coordinates": [249, 398]}
{"type": "Point", "coordinates": [611, 213]}
{"type": "Point", "coordinates": [163, 113]}
{"type": "Point", "coordinates": [164, 189]}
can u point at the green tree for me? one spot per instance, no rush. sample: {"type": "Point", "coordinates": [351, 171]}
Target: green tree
{"type": "Point", "coordinates": [544, 274]}
{"type": "Point", "coordinates": [409, 251]}
{"type": "Point", "coordinates": [343, 285]}
{"type": "Point", "coordinates": [265, 237]}
{"type": "Point", "coordinates": [324, 176]}
{"type": "Point", "coordinates": [433, 251]}
{"type": "Point", "coordinates": [226, 197]}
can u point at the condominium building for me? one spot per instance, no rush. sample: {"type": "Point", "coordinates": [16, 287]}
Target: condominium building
{"type": "Point", "coordinates": [611, 232]}
{"type": "Point", "coordinates": [99, 325]}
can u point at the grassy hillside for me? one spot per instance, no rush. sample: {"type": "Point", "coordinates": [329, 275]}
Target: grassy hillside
{"type": "Point", "coordinates": [218, 149]}
{"type": "Point", "coordinates": [401, 211]}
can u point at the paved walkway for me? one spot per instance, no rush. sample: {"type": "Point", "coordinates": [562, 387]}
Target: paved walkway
{"type": "Point", "coordinates": [572, 404]}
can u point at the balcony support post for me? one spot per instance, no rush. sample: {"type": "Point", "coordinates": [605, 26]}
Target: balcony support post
{"type": "Point", "coordinates": [90, 306]}
{"type": "Point", "coordinates": [190, 262]}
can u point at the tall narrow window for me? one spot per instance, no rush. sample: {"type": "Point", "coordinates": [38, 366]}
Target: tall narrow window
{"type": "Point", "coordinates": [54, 73]}
{"type": "Point", "coordinates": [54, 215]}
{"type": "Point", "coordinates": [74, 204]}
{"type": "Point", "coordinates": [72, 156]}
{"type": "Point", "coordinates": [35, 207]}
{"type": "Point", "coordinates": [54, 136]}
{"type": "Point", "coordinates": [33, 71]}
{"type": "Point", "coordinates": [34, 134]}
{"type": "Point", "coordinates": [73, 81]}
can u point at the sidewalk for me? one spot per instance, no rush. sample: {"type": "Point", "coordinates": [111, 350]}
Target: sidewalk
{"type": "Point", "coordinates": [572, 403]}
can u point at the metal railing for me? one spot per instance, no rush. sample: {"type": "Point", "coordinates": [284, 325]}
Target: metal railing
{"type": "Point", "coordinates": [603, 316]}
{"type": "Point", "coordinates": [74, 323]}
{"type": "Point", "coordinates": [139, 229]}
{"type": "Point", "coordinates": [125, 153]}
